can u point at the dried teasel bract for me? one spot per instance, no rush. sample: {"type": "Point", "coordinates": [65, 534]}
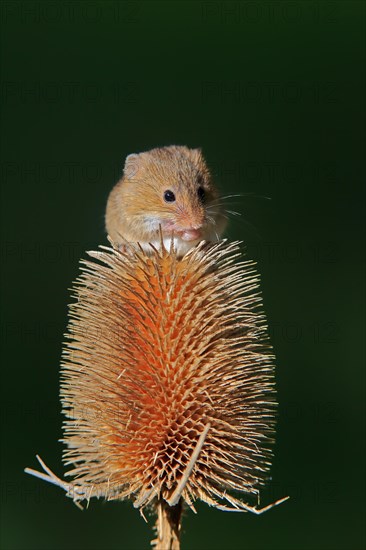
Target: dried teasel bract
{"type": "Point", "coordinates": [167, 382]}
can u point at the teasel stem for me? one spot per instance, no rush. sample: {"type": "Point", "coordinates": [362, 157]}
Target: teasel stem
{"type": "Point", "coordinates": [168, 526]}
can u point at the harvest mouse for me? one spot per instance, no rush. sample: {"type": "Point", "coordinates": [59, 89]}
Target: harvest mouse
{"type": "Point", "coordinates": [169, 188]}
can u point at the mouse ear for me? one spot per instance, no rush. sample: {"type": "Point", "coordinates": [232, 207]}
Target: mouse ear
{"type": "Point", "coordinates": [131, 165]}
{"type": "Point", "coordinates": [196, 156]}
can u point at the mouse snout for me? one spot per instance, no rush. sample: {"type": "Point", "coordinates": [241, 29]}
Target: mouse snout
{"type": "Point", "coordinates": [191, 228]}
{"type": "Point", "coordinates": [190, 234]}
{"type": "Point", "coordinates": [188, 223]}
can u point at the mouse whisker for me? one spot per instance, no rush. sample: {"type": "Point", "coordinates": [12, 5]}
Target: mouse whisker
{"type": "Point", "coordinates": [233, 212]}
{"type": "Point", "coordinates": [223, 197]}
{"type": "Point", "coordinates": [211, 220]}
{"type": "Point", "coordinates": [225, 216]}
{"type": "Point", "coordinates": [222, 213]}
{"type": "Point", "coordinates": [239, 195]}
{"type": "Point", "coordinates": [222, 204]}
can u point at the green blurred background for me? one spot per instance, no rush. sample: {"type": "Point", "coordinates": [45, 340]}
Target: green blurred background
{"type": "Point", "coordinates": [273, 93]}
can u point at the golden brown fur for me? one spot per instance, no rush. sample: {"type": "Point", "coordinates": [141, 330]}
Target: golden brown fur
{"type": "Point", "coordinates": [136, 207]}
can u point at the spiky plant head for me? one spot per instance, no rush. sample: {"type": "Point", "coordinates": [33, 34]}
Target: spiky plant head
{"type": "Point", "coordinates": [167, 377]}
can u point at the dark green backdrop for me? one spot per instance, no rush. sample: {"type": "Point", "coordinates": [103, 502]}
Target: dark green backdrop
{"type": "Point", "coordinates": [273, 92]}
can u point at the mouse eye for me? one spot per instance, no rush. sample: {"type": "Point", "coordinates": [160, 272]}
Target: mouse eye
{"type": "Point", "coordinates": [201, 194]}
{"type": "Point", "coordinates": [169, 196]}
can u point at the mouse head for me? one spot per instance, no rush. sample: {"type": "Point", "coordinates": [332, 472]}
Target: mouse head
{"type": "Point", "coordinates": [172, 188]}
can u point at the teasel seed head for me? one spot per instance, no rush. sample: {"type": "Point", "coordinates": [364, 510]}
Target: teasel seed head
{"type": "Point", "coordinates": [167, 380]}
{"type": "Point", "coordinates": [164, 356]}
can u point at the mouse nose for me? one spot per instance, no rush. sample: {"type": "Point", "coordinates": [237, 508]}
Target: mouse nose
{"type": "Point", "coordinates": [190, 223]}
{"type": "Point", "coordinates": [194, 219]}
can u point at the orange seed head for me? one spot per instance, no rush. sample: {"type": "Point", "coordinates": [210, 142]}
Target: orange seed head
{"type": "Point", "coordinates": [167, 377]}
